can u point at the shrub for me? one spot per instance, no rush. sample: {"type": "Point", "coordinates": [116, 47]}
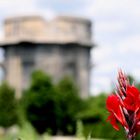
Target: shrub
{"type": "Point", "coordinates": [40, 103]}
{"type": "Point", "coordinates": [8, 106]}
{"type": "Point", "coordinates": [70, 105]}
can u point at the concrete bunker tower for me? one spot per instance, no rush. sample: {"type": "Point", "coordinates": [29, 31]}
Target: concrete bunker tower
{"type": "Point", "coordinates": [58, 47]}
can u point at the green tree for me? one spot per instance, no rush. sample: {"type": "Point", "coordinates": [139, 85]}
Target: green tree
{"type": "Point", "coordinates": [40, 102]}
{"type": "Point", "coordinates": [8, 106]}
{"type": "Point", "coordinates": [131, 79]}
{"type": "Point", "coordinates": [70, 105]}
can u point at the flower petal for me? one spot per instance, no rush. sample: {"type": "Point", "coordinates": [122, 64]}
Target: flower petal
{"type": "Point", "coordinates": [113, 120]}
{"type": "Point", "coordinates": [114, 107]}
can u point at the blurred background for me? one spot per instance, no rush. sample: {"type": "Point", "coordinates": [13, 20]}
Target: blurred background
{"type": "Point", "coordinates": [55, 54]}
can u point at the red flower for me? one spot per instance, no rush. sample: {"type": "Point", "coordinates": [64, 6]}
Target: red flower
{"type": "Point", "coordinates": [132, 100]}
{"type": "Point", "coordinates": [124, 107]}
{"type": "Point", "coordinates": [114, 107]}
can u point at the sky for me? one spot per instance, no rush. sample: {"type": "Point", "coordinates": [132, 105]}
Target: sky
{"type": "Point", "coordinates": [116, 32]}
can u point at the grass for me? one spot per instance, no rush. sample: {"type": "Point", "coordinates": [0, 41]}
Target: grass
{"type": "Point", "coordinates": [27, 132]}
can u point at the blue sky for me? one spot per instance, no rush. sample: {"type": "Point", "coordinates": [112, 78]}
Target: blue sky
{"type": "Point", "coordinates": [116, 32]}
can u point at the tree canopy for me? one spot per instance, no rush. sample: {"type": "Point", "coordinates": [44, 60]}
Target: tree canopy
{"type": "Point", "coordinates": [8, 106]}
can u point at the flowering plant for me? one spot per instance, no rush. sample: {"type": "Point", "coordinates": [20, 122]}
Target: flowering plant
{"type": "Point", "coordinates": [124, 107]}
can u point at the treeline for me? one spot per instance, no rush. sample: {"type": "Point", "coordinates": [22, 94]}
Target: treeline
{"type": "Point", "coordinates": [56, 108]}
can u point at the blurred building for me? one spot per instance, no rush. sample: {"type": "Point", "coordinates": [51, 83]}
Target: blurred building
{"type": "Point", "coordinates": [58, 47]}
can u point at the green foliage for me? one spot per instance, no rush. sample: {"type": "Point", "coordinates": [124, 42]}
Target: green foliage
{"type": "Point", "coordinates": [94, 118]}
{"type": "Point", "coordinates": [56, 108]}
{"type": "Point", "coordinates": [52, 108]}
{"type": "Point", "coordinates": [8, 106]}
{"type": "Point", "coordinates": [40, 102]}
{"type": "Point", "coordinates": [79, 130]}
{"type": "Point", "coordinates": [70, 105]}
{"type": "Point", "coordinates": [131, 79]}
{"type": "Point", "coordinates": [27, 132]}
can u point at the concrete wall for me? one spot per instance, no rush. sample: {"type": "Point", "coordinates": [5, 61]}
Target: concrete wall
{"type": "Point", "coordinates": [14, 71]}
{"type": "Point", "coordinates": [24, 28]}
{"type": "Point", "coordinates": [56, 60]}
{"type": "Point", "coordinates": [60, 29]}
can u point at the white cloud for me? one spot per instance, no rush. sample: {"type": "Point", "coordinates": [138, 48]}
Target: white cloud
{"type": "Point", "coordinates": [103, 84]}
{"type": "Point", "coordinates": [102, 6]}
{"type": "Point", "coordinates": [136, 73]}
{"type": "Point", "coordinates": [120, 18]}
{"type": "Point", "coordinates": [130, 45]}
{"type": "Point", "coordinates": [105, 8]}
{"type": "Point", "coordinates": [112, 17]}
{"type": "Point", "coordinates": [103, 80]}
{"type": "Point", "coordinates": [95, 91]}
{"type": "Point", "coordinates": [26, 7]}
{"type": "Point", "coordinates": [109, 26]}
{"type": "Point", "coordinates": [101, 52]}
{"type": "Point", "coordinates": [108, 66]}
